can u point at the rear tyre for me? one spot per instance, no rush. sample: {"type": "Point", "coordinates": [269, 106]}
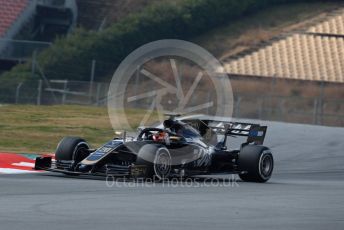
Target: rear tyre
{"type": "Point", "coordinates": [72, 149]}
{"type": "Point", "coordinates": [157, 159]}
{"type": "Point", "coordinates": [256, 162]}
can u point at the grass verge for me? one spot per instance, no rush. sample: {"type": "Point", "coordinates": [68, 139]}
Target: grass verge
{"type": "Point", "coordinates": [38, 129]}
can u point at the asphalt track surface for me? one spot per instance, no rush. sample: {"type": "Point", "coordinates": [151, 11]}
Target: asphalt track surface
{"type": "Point", "coordinates": [305, 192]}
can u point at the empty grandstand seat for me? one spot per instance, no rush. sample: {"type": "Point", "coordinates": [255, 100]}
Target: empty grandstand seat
{"type": "Point", "coordinates": [9, 12]}
{"type": "Point", "coordinates": [315, 55]}
{"type": "Point", "coordinates": [300, 56]}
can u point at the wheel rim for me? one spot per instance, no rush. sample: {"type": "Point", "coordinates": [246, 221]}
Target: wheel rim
{"type": "Point", "coordinates": [80, 152]}
{"type": "Point", "coordinates": [162, 164]}
{"type": "Point", "coordinates": [265, 166]}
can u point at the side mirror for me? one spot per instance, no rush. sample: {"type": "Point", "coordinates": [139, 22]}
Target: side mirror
{"type": "Point", "coordinates": [139, 129]}
{"type": "Point", "coordinates": [120, 134]}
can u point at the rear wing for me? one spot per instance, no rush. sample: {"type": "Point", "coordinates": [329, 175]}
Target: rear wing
{"type": "Point", "coordinates": [254, 132]}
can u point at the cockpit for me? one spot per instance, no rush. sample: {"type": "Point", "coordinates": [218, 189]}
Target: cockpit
{"type": "Point", "coordinates": [174, 131]}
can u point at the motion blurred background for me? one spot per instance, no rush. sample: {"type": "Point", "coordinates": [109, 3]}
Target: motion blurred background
{"type": "Point", "coordinates": [285, 58]}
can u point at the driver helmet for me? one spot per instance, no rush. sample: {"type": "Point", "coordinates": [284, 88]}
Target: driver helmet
{"type": "Point", "coordinates": [160, 136]}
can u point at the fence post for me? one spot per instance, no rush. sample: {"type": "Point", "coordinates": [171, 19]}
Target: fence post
{"type": "Point", "coordinates": [18, 92]}
{"type": "Point", "coordinates": [64, 95]}
{"type": "Point", "coordinates": [315, 111]}
{"type": "Point", "coordinates": [46, 81]}
{"type": "Point", "coordinates": [272, 96]}
{"type": "Point", "coordinates": [137, 81]}
{"type": "Point", "coordinates": [321, 103]}
{"type": "Point", "coordinates": [93, 68]}
{"type": "Point", "coordinates": [98, 94]}
{"type": "Point", "coordinates": [33, 64]}
{"type": "Point", "coordinates": [39, 92]}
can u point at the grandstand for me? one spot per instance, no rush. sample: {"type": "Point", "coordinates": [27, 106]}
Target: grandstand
{"type": "Point", "coordinates": [33, 21]}
{"type": "Point", "coordinates": [333, 26]}
{"type": "Point", "coordinates": [13, 14]}
{"type": "Point", "coordinates": [16, 14]}
{"type": "Point", "coordinates": [316, 55]}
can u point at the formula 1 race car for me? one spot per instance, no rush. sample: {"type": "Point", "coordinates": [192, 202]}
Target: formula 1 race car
{"type": "Point", "coordinates": [180, 147]}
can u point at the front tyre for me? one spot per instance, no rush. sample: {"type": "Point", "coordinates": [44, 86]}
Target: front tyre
{"type": "Point", "coordinates": [72, 149]}
{"type": "Point", "coordinates": [256, 162]}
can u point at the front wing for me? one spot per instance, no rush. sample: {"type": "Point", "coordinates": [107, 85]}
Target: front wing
{"type": "Point", "coordinates": [48, 164]}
